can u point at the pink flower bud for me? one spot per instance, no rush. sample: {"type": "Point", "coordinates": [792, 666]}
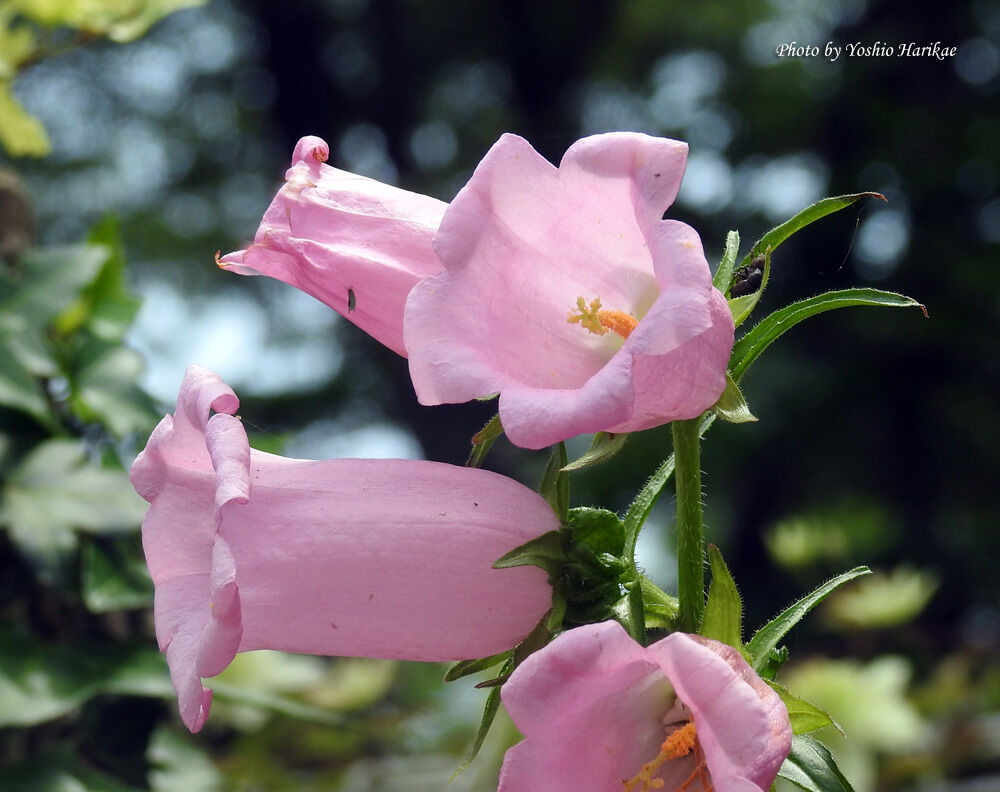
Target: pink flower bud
{"type": "Point", "coordinates": [353, 243]}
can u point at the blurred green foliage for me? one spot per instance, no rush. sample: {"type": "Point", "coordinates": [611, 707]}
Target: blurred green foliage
{"type": "Point", "coordinates": [33, 29]}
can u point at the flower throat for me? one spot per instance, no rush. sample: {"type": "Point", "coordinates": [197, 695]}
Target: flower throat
{"type": "Point", "coordinates": [678, 743]}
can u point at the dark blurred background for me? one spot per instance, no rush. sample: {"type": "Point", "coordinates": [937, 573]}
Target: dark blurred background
{"type": "Point", "coordinates": [878, 434]}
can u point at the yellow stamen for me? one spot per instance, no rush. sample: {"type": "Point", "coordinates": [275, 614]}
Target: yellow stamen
{"type": "Point", "coordinates": [677, 744]}
{"type": "Point", "coordinates": [599, 321]}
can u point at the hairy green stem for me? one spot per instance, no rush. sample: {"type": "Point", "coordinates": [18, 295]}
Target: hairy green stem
{"type": "Point", "coordinates": [690, 531]}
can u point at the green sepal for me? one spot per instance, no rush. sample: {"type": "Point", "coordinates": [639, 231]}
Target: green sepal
{"type": "Point", "coordinates": [489, 713]}
{"type": "Point", "coordinates": [767, 637]}
{"type": "Point", "coordinates": [465, 667]}
{"type": "Point", "coordinates": [547, 551]}
{"type": "Point", "coordinates": [732, 406]}
{"type": "Point", "coordinates": [723, 619]}
{"type": "Point", "coordinates": [535, 640]}
{"type": "Point", "coordinates": [601, 530]}
{"type": "Point", "coordinates": [748, 348]}
{"type": "Point", "coordinates": [804, 716]}
{"type": "Point", "coordinates": [741, 307]}
{"type": "Point", "coordinates": [630, 612]}
{"type": "Point", "coordinates": [483, 440]}
{"type": "Point", "coordinates": [555, 483]}
{"type": "Point", "coordinates": [661, 609]}
{"type": "Point", "coordinates": [604, 446]}
{"type": "Point", "coordinates": [724, 274]}
{"type": "Point", "coordinates": [584, 563]}
{"type": "Point", "coordinates": [554, 618]}
{"type": "Point", "coordinates": [810, 766]}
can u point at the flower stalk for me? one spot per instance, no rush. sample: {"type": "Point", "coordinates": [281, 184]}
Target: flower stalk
{"type": "Point", "coordinates": [690, 529]}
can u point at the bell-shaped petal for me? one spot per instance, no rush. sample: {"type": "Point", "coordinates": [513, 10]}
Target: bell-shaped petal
{"type": "Point", "coordinates": [566, 292]}
{"type": "Point", "coordinates": [351, 242]}
{"type": "Point", "coordinates": [599, 713]}
{"type": "Point", "coordinates": [367, 558]}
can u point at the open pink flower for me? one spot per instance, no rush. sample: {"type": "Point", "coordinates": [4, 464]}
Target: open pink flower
{"type": "Point", "coordinates": [600, 713]}
{"type": "Point", "coordinates": [566, 292]}
{"type": "Point", "coordinates": [353, 243]}
{"type": "Point", "coordinates": [372, 558]}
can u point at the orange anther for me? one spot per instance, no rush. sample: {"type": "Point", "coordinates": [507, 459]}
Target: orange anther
{"type": "Point", "coordinates": [599, 321]}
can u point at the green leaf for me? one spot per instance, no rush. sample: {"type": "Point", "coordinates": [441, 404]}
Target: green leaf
{"type": "Point", "coordinates": [810, 766]}
{"type": "Point", "coordinates": [604, 446]}
{"type": "Point", "coordinates": [114, 576]}
{"type": "Point", "coordinates": [51, 280]}
{"type": "Point", "coordinates": [465, 667]}
{"type": "Point", "coordinates": [732, 406]}
{"type": "Point", "coordinates": [547, 551]}
{"type": "Point", "coordinates": [20, 132]}
{"type": "Point", "coordinates": [883, 600]}
{"type": "Point", "coordinates": [56, 491]}
{"type": "Point", "coordinates": [805, 717]}
{"type": "Point", "coordinates": [273, 702]}
{"type": "Point", "coordinates": [105, 306]}
{"type": "Point", "coordinates": [601, 530]}
{"type": "Point", "coordinates": [40, 681]}
{"type": "Point", "coordinates": [767, 637]}
{"type": "Point", "coordinates": [555, 483]}
{"type": "Point", "coordinates": [120, 20]}
{"type": "Point", "coordinates": [773, 663]}
{"type": "Point", "coordinates": [724, 274]}
{"type": "Point", "coordinates": [20, 390]}
{"type": "Point", "coordinates": [751, 345]}
{"type": "Point", "coordinates": [773, 238]}
{"type": "Point", "coordinates": [742, 306]}
{"type": "Point", "coordinates": [177, 765]}
{"type": "Point", "coordinates": [723, 619]}
{"type": "Point", "coordinates": [59, 769]}
{"type": "Point", "coordinates": [483, 440]}
{"type": "Point", "coordinates": [53, 277]}
{"type": "Point", "coordinates": [105, 390]}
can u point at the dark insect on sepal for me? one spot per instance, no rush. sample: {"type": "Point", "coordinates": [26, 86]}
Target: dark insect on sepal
{"type": "Point", "coordinates": [748, 279]}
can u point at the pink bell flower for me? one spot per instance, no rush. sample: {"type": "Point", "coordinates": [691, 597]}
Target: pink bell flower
{"type": "Point", "coordinates": [599, 712]}
{"type": "Point", "coordinates": [357, 557]}
{"type": "Point", "coordinates": [353, 243]}
{"type": "Point", "coordinates": [566, 292]}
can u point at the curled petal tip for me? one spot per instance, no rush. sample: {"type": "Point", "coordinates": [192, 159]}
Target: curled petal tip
{"type": "Point", "coordinates": [218, 260]}
{"type": "Point", "coordinates": [312, 147]}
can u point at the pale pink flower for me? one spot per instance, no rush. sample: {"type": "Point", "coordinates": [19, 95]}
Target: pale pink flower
{"type": "Point", "coordinates": [601, 713]}
{"type": "Point", "coordinates": [372, 558]}
{"type": "Point", "coordinates": [526, 246]}
{"type": "Point", "coordinates": [354, 243]}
